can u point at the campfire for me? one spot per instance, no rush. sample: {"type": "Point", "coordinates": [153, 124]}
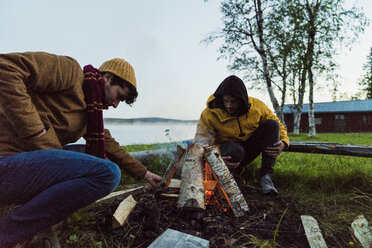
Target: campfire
{"type": "Point", "coordinates": [204, 174]}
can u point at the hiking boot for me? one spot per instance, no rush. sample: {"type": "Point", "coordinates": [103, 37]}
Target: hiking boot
{"type": "Point", "coordinates": [48, 239]}
{"type": "Point", "coordinates": [267, 185]}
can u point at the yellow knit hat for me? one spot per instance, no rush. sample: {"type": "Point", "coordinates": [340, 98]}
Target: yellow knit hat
{"type": "Point", "coordinates": [120, 68]}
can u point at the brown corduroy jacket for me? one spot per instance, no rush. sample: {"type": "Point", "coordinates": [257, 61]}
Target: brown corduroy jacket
{"type": "Point", "coordinates": [40, 90]}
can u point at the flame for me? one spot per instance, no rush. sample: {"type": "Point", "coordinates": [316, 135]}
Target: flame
{"type": "Point", "coordinates": [210, 185]}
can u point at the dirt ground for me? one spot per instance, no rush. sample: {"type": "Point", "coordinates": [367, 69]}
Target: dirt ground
{"type": "Point", "coordinates": [152, 216]}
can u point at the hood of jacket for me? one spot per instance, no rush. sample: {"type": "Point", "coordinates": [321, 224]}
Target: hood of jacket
{"type": "Point", "coordinates": [233, 86]}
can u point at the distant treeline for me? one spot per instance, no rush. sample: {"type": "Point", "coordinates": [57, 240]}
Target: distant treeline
{"type": "Point", "coordinates": [146, 120]}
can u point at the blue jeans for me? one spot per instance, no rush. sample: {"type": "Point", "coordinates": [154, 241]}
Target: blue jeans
{"type": "Point", "coordinates": [50, 185]}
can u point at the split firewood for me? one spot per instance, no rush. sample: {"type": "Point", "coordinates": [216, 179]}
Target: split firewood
{"type": "Point", "coordinates": [192, 185]}
{"type": "Point", "coordinates": [226, 181]}
{"type": "Point", "coordinates": [122, 212]}
{"type": "Point", "coordinates": [122, 194]}
{"type": "Point", "coordinates": [165, 195]}
{"type": "Point", "coordinates": [313, 234]}
{"type": "Point", "coordinates": [172, 167]}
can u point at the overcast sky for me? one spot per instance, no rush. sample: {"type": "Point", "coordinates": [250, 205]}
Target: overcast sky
{"type": "Point", "coordinates": [175, 72]}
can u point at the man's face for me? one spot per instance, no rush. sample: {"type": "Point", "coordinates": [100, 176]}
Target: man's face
{"type": "Point", "coordinates": [231, 104]}
{"type": "Point", "coordinates": [114, 94]}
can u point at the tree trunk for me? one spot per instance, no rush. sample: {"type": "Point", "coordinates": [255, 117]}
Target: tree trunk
{"type": "Point", "coordinates": [191, 195]}
{"type": "Point", "coordinates": [312, 12]}
{"type": "Point", "coordinates": [262, 52]}
{"type": "Point", "coordinates": [226, 181]}
{"type": "Point", "coordinates": [312, 128]}
{"type": "Point", "coordinates": [299, 105]}
{"type": "Point", "coordinates": [296, 122]}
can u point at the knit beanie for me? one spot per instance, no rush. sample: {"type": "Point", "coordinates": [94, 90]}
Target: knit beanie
{"type": "Point", "coordinates": [120, 68]}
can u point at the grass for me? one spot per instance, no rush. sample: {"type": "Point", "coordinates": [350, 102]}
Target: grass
{"type": "Point", "coordinates": [333, 189]}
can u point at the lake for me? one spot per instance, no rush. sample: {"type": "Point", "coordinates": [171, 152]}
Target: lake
{"type": "Point", "coordinates": [149, 133]}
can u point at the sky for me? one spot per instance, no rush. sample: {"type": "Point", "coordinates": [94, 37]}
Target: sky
{"type": "Point", "coordinates": [176, 72]}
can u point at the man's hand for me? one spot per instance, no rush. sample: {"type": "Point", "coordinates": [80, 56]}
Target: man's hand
{"type": "Point", "coordinates": [276, 149]}
{"type": "Point", "coordinates": [152, 178]}
{"type": "Point", "coordinates": [230, 165]}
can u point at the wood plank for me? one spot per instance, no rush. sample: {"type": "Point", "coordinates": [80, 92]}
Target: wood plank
{"type": "Point", "coordinates": [122, 194]}
{"type": "Point", "coordinates": [122, 212]}
{"type": "Point", "coordinates": [175, 239]}
{"type": "Point", "coordinates": [362, 232]}
{"type": "Point", "coordinates": [226, 181]}
{"type": "Point", "coordinates": [313, 233]}
{"type": "Point", "coordinates": [191, 195]}
{"type": "Point", "coordinates": [330, 148]}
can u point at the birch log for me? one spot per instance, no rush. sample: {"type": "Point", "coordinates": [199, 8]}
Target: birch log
{"type": "Point", "coordinates": [226, 181]}
{"type": "Point", "coordinates": [330, 148]}
{"type": "Point", "coordinates": [172, 167]}
{"type": "Point", "coordinates": [191, 195]}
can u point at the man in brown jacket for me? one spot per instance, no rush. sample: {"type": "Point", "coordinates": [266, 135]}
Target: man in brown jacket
{"type": "Point", "coordinates": [46, 102]}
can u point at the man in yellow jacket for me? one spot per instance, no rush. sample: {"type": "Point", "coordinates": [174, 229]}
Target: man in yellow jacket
{"type": "Point", "coordinates": [46, 102]}
{"type": "Point", "coordinates": [243, 128]}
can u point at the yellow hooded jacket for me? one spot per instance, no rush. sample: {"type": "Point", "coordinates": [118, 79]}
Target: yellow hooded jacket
{"type": "Point", "coordinates": [216, 126]}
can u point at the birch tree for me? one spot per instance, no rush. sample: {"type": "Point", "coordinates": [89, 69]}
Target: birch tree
{"type": "Point", "coordinates": [328, 24]}
{"type": "Point", "coordinates": [244, 33]}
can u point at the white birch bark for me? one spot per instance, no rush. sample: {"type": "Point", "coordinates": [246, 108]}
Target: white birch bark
{"type": "Point", "coordinates": [192, 195]}
{"type": "Point", "coordinates": [226, 181]}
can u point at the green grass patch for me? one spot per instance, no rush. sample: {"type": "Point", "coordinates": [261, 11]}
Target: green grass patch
{"type": "Point", "coordinates": [334, 189]}
{"type": "Point", "coordinates": [342, 138]}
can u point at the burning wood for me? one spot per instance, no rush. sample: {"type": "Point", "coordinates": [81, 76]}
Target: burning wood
{"type": "Point", "coordinates": [210, 184]}
{"type": "Point", "coordinates": [172, 167]}
{"type": "Point", "coordinates": [191, 195]}
{"type": "Point", "coordinates": [226, 181]}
